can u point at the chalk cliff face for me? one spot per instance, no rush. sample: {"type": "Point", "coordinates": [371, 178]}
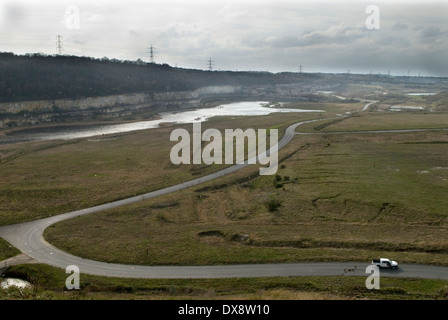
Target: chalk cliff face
{"type": "Point", "coordinates": [65, 105]}
{"type": "Point", "coordinates": [52, 111]}
{"type": "Point", "coordinates": [18, 114]}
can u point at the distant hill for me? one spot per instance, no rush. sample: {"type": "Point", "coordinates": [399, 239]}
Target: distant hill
{"type": "Point", "coordinates": [41, 77]}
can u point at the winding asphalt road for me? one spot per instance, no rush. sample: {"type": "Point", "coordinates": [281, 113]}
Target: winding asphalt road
{"type": "Point", "coordinates": [28, 238]}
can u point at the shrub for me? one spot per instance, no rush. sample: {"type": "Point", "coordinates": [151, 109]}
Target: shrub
{"type": "Point", "coordinates": [273, 205]}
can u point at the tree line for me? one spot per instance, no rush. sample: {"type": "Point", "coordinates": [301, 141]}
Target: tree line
{"type": "Point", "coordinates": [46, 77]}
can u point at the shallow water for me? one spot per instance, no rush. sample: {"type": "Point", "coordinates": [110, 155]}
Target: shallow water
{"type": "Point", "coordinates": [401, 108]}
{"type": "Point", "coordinates": [233, 109]}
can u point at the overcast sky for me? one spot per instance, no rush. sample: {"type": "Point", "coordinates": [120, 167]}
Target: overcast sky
{"type": "Point", "coordinates": [276, 35]}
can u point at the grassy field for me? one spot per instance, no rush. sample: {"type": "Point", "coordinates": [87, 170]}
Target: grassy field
{"type": "Point", "coordinates": [49, 284]}
{"type": "Point", "coordinates": [388, 95]}
{"type": "Point", "coordinates": [335, 197]}
{"type": "Point", "coordinates": [6, 250]}
{"type": "Point", "coordinates": [41, 179]}
{"type": "Point", "coordinates": [380, 121]}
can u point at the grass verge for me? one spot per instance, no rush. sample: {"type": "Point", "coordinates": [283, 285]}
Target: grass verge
{"type": "Point", "coordinates": [6, 250]}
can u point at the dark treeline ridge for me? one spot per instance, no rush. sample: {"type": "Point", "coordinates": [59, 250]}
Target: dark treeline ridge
{"type": "Point", "coordinates": [48, 77]}
{"type": "Point", "coordinates": [42, 77]}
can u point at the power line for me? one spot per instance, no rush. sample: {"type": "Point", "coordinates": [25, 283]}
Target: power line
{"type": "Point", "coordinates": [59, 44]}
{"type": "Point", "coordinates": [210, 64]}
{"type": "Point", "coordinates": [152, 54]}
{"type": "Point", "coordinates": [300, 68]}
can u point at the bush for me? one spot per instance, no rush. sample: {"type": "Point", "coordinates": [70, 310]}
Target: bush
{"type": "Point", "coordinates": [443, 293]}
{"type": "Point", "coordinates": [273, 205]}
{"type": "Point", "coordinates": [278, 181]}
{"type": "Point", "coordinates": [278, 184]}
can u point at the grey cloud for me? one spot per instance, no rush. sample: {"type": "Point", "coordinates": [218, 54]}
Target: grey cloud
{"type": "Point", "coordinates": [14, 11]}
{"type": "Point", "coordinates": [269, 35]}
{"type": "Point", "coordinates": [399, 26]}
{"type": "Point", "coordinates": [178, 30]}
{"type": "Point", "coordinates": [92, 17]}
{"type": "Point", "coordinates": [77, 39]}
{"type": "Point", "coordinates": [329, 37]}
{"type": "Point", "coordinates": [432, 32]}
{"type": "Point", "coordinates": [394, 41]}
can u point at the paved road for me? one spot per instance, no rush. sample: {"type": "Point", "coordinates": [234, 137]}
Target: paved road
{"type": "Point", "coordinates": [28, 238]}
{"type": "Point", "coordinates": [365, 108]}
{"type": "Point", "coordinates": [370, 102]}
{"type": "Point", "coordinates": [371, 131]}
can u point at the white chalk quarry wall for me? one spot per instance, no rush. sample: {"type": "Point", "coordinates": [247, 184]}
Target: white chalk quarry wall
{"type": "Point", "coordinates": [69, 104]}
{"type": "Point", "coordinates": [15, 113]}
{"type": "Point", "coordinates": [113, 100]}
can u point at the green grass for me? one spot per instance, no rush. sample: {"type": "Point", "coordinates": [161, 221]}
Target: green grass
{"type": "Point", "coordinates": [341, 197]}
{"type": "Point", "coordinates": [329, 107]}
{"type": "Point", "coordinates": [49, 284]}
{"type": "Point", "coordinates": [347, 197]}
{"type": "Point", "coordinates": [6, 250]}
{"type": "Point", "coordinates": [41, 179]}
{"type": "Point", "coordinates": [380, 121]}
